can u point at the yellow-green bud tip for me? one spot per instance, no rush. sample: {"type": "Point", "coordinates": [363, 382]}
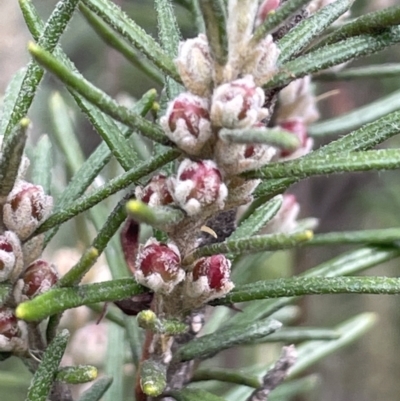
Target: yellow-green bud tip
{"type": "Point", "coordinates": [21, 312]}
{"type": "Point", "coordinates": [135, 206]}
{"type": "Point", "coordinates": [308, 234]}
{"type": "Point", "coordinates": [151, 389]}
{"type": "Point", "coordinates": [147, 316]}
{"type": "Point", "coordinates": [24, 123]}
{"type": "Point", "coordinates": [92, 373]}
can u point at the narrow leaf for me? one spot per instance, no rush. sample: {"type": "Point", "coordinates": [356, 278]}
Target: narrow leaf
{"type": "Point", "coordinates": [64, 133]}
{"type": "Point", "coordinates": [227, 375]}
{"type": "Point", "coordinates": [358, 117]}
{"type": "Point", "coordinates": [77, 374]}
{"type": "Point", "coordinates": [215, 24]}
{"type": "Point", "coordinates": [115, 41]}
{"type": "Point", "coordinates": [52, 32]}
{"type": "Point", "coordinates": [194, 394]}
{"type": "Point", "coordinates": [253, 244]}
{"type": "Point", "coordinates": [275, 19]}
{"type": "Point", "coordinates": [257, 220]}
{"type": "Point", "coordinates": [371, 23]}
{"type": "Point", "coordinates": [12, 150]}
{"type": "Point", "coordinates": [383, 159]}
{"type": "Point", "coordinates": [97, 390]}
{"type": "Point", "coordinates": [307, 30]}
{"type": "Point", "coordinates": [286, 287]}
{"type": "Point", "coordinates": [313, 351]}
{"type": "Point", "coordinates": [60, 299]}
{"type": "Point", "coordinates": [46, 373]}
{"type": "Point", "coordinates": [331, 55]}
{"type": "Point", "coordinates": [87, 201]}
{"type": "Point", "coordinates": [381, 71]}
{"type": "Point", "coordinates": [274, 137]}
{"type": "Point", "coordinates": [153, 378]}
{"type": "Point", "coordinates": [135, 35]}
{"type": "Point", "coordinates": [169, 36]}
{"type": "Point", "coordinates": [154, 216]}
{"type": "Point", "coordinates": [292, 335]}
{"type": "Point", "coordinates": [210, 344]}
{"type": "Point", "coordinates": [96, 96]}
{"type": "Point", "coordinates": [42, 164]}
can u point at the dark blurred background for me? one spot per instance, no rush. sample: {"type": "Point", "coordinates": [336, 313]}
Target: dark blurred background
{"type": "Point", "coordinates": [367, 370]}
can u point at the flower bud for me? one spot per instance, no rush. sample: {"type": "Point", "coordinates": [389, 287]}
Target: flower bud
{"type": "Point", "coordinates": [238, 104]}
{"type": "Point", "coordinates": [198, 184]}
{"type": "Point", "coordinates": [11, 259]}
{"type": "Point", "coordinates": [155, 192]}
{"type": "Point", "coordinates": [266, 7]}
{"type": "Point", "coordinates": [38, 278]}
{"type": "Point", "coordinates": [158, 266]}
{"type": "Point", "coordinates": [299, 129]}
{"type": "Point", "coordinates": [236, 158]}
{"type": "Point", "coordinates": [187, 122]}
{"type": "Point", "coordinates": [210, 278]}
{"type": "Point", "coordinates": [8, 323]}
{"type": "Point", "coordinates": [261, 60]}
{"type": "Point", "coordinates": [26, 209]}
{"type": "Point", "coordinates": [297, 101]}
{"type": "Point", "coordinates": [194, 64]}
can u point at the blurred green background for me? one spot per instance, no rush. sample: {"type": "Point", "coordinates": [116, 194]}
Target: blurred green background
{"type": "Point", "coordinates": [366, 371]}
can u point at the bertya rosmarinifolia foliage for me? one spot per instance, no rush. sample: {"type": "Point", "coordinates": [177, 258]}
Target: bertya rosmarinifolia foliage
{"type": "Point", "coordinates": [234, 131]}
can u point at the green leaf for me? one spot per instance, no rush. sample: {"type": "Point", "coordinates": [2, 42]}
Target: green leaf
{"type": "Point", "coordinates": [307, 30]}
{"type": "Point", "coordinates": [97, 97]}
{"type": "Point", "coordinates": [331, 55]}
{"type": "Point", "coordinates": [194, 394]}
{"type": "Point", "coordinates": [287, 287]}
{"type": "Point", "coordinates": [114, 361]}
{"type": "Point", "coordinates": [153, 377]}
{"type": "Point", "coordinates": [135, 35]}
{"type": "Point", "coordinates": [46, 373]}
{"type": "Point", "coordinates": [381, 71]}
{"type": "Point", "coordinates": [154, 216]}
{"type": "Point", "coordinates": [97, 390]}
{"type": "Point", "coordinates": [253, 244]}
{"type": "Point", "coordinates": [42, 164]}
{"type": "Point", "coordinates": [275, 19]}
{"type": "Point", "coordinates": [292, 335]}
{"type": "Point", "coordinates": [371, 23]}
{"type": "Point", "coordinates": [345, 264]}
{"type": "Point", "coordinates": [115, 41]}
{"type": "Point", "coordinates": [226, 375]}
{"type": "Point", "coordinates": [364, 138]}
{"type": "Point", "coordinates": [60, 299]}
{"type": "Point", "coordinates": [207, 346]}
{"type": "Point", "coordinates": [383, 159]}
{"type": "Point", "coordinates": [169, 36]}
{"type": "Point", "coordinates": [88, 201]}
{"type": "Point", "coordinates": [77, 374]}
{"type": "Point", "coordinates": [52, 32]}
{"type": "Point", "coordinates": [64, 133]}
{"type": "Point", "coordinates": [380, 236]}
{"type": "Point", "coordinates": [277, 137]}
{"type": "Point", "coordinates": [12, 150]}
{"type": "Point", "coordinates": [214, 18]}
{"type": "Point", "coordinates": [313, 351]}
{"type": "Point", "coordinates": [358, 117]}
{"type": "Point", "coordinates": [292, 388]}
{"type": "Point", "coordinates": [10, 97]}
{"type": "Point", "coordinates": [257, 219]}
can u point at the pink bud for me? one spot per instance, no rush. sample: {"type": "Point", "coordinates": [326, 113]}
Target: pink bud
{"type": "Point", "coordinates": [38, 278]}
{"type": "Point", "coordinates": [198, 184]}
{"type": "Point", "coordinates": [158, 266]}
{"type": "Point", "coordinates": [194, 64]}
{"type": "Point", "coordinates": [11, 259]}
{"type": "Point", "coordinates": [156, 192]}
{"type": "Point", "coordinates": [8, 323]}
{"type": "Point", "coordinates": [210, 278]}
{"type": "Point", "coordinates": [299, 129]}
{"type": "Point", "coordinates": [26, 209]}
{"type": "Point", "coordinates": [187, 122]}
{"type": "Point", "coordinates": [266, 7]}
{"type": "Point", "coordinates": [238, 104]}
